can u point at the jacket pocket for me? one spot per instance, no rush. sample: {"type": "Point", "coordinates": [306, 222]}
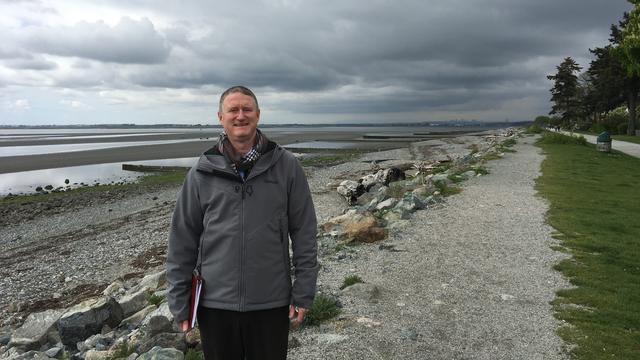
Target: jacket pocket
{"type": "Point", "coordinates": [284, 240]}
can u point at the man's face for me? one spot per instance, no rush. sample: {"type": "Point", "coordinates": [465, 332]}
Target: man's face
{"type": "Point", "coordinates": [239, 116]}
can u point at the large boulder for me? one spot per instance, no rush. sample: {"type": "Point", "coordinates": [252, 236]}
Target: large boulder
{"type": "Point", "coordinates": [135, 301]}
{"type": "Point", "coordinates": [88, 318]}
{"type": "Point", "coordinates": [36, 330]}
{"type": "Point", "coordinates": [136, 319]}
{"type": "Point", "coordinates": [363, 228]}
{"type": "Point", "coordinates": [154, 281]}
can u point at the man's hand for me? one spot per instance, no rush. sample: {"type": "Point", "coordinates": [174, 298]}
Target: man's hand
{"type": "Point", "coordinates": [296, 315]}
{"type": "Point", "coordinates": [184, 326]}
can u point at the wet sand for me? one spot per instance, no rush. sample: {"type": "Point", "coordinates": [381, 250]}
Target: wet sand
{"type": "Point", "coordinates": [12, 164]}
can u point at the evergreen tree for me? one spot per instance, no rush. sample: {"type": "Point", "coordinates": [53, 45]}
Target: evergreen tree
{"type": "Point", "coordinates": [627, 50]}
{"type": "Point", "coordinates": [565, 93]}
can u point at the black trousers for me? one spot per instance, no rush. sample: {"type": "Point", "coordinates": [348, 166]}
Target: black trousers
{"type": "Point", "coordinates": [251, 335]}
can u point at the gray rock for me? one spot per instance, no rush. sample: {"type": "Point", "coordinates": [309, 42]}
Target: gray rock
{"type": "Point", "coordinates": [136, 319]}
{"type": "Point", "coordinates": [364, 199]}
{"type": "Point", "coordinates": [36, 330]}
{"type": "Point", "coordinates": [114, 289]}
{"type": "Point", "coordinates": [4, 339]}
{"type": "Point", "coordinates": [164, 340]}
{"type": "Point", "coordinates": [411, 203]}
{"type": "Point", "coordinates": [54, 352]}
{"type": "Point", "coordinates": [96, 355]}
{"type": "Point", "coordinates": [88, 318]}
{"type": "Point", "coordinates": [442, 177]}
{"type": "Point", "coordinates": [162, 310]}
{"type": "Point", "coordinates": [31, 355]}
{"type": "Point", "coordinates": [468, 174]}
{"type": "Point", "coordinates": [98, 342]}
{"type": "Point", "coordinates": [154, 281]}
{"type": "Point", "coordinates": [135, 301]}
{"type": "Point", "coordinates": [387, 204]}
{"type": "Point", "coordinates": [159, 353]}
{"type": "Point", "coordinates": [368, 292]}
{"type": "Point", "coordinates": [159, 324]}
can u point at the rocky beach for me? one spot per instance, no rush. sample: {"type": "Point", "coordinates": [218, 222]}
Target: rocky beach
{"type": "Point", "coordinates": [464, 276]}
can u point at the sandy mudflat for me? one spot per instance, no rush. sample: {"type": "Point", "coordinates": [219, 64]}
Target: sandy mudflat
{"type": "Point", "coordinates": [11, 164]}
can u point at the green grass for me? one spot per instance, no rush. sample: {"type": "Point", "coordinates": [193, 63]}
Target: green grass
{"type": "Point", "coordinates": [150, 180]}
{"type": "Point", "coordinates": [446, 190]}
{"type": "Point", "coordinates": [324, 308]}
{"type": "Point", "coordinates": [330, 159]}
{"type": "Point", "coordinates": [350, 280]}
{"type": "Point", "coordinates": [629, 138]}
{"type": "Point", "coordinates": [595, 205]}
{"type": "Point", "coordinates": [154, 299]}
{"type": "Point", "coordinates": [193, 354]}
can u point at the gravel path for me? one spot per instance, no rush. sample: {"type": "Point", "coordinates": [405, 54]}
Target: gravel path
{"type": "Point", "coordinates": [471, 279]}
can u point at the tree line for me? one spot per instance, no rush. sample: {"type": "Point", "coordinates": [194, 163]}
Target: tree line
{"type": "Point", "coordinates": [605, 96]}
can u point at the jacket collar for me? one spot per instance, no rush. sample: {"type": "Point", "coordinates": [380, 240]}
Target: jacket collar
{"type": "Point", "coordinates": [214, 161]}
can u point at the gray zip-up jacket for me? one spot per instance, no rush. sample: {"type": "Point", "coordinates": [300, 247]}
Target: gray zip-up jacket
{"type": "Point", "coordinates": [245, 229]}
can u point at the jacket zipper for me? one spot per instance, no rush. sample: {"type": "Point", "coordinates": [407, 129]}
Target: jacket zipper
{"type": "Point", "coordinates": [242, 250]}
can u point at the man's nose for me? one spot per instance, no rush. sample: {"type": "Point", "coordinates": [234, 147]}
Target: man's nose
{"type": "Point", "coordinates": [241, 114]}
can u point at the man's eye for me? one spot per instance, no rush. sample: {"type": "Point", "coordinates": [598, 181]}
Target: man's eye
{"type": "Point", "coordinates": [247, 109]}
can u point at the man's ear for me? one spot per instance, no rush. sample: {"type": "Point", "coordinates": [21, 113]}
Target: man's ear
{"type": "Point", "coordinates": [219, 117]}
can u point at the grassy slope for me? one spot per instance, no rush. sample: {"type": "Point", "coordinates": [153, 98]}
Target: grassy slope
{"type": "Point", "coordinates": [633, 139]}
{"type": "Point", "coordinates": [595, 205]}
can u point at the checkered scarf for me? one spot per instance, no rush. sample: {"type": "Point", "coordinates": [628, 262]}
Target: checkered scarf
{"type": "Point", "coordinates": [242, 164]}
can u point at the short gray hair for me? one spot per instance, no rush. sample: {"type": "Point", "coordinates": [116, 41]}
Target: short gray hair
{"type": "Point", "coordinates": [238, 89]}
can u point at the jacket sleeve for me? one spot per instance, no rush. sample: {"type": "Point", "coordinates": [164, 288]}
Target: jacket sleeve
{"type": "Point", "coordinates": [184, 239]}
{"type": "Point", "coordinates": [302, 230]}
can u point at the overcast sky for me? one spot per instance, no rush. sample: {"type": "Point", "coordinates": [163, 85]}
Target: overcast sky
{"type": "Point", "coordinates": [146, 62]}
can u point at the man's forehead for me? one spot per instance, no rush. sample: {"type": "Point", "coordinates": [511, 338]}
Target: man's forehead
{"type": "Point", "coordinates": [238, 99]}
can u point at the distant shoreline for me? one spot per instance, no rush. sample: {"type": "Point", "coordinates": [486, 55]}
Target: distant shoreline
{"type": "Point", "coordinates": [460, 123]}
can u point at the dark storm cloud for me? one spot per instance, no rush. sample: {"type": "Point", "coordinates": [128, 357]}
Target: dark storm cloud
{"type": "Point", "coordinates": [344, 57]}
{"type": "Point", "coordinates": [129, 41]}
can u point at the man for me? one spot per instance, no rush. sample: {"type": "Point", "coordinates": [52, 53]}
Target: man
{"type": "Point", "coordinates": [240, 205]}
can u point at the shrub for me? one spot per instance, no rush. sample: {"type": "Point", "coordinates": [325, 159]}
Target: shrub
{"type": "Point", "coordinates": [323, 309]}
{"type": "Point", "coordinates": [597, 128]}
{"type": "Point", "coordinates": [533, 129]}
{"type": "Point", "coordinates": [557, 138]}
{"type": "Point", "coordinates": [350, 280]}
{"type": "Point", "coordinates": [155, 299]}
{"type": "Point", "coordinates": [622, 128]}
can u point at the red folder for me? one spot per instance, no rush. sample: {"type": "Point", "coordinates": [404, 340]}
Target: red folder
{"type": "Point", "coordinates": [196, 291]}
